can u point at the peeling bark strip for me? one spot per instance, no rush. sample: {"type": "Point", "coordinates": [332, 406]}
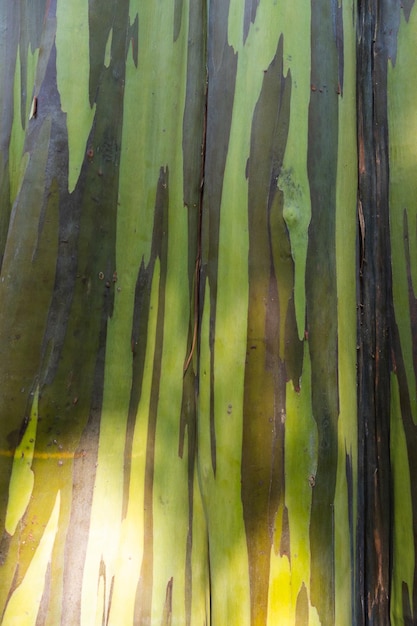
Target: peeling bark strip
{"type": "Point", "coordinates": [374, 314]}
{"type": "Point", "coordinates": [222, 65]}
{"type": "Point", "coordinates": [321, 299]}
{"type": "Point", "coordinates": [143, 608]}
{"type": "Point", "coordinates": [265, 377]}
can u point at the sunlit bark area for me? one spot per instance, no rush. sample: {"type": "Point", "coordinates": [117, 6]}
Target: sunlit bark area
{"type": "Point", "coordinates": [277, 403]}
{"type": "Point", "coordinates": [207, 311]}
{"type": "Point", "coordinates": [101, 159]}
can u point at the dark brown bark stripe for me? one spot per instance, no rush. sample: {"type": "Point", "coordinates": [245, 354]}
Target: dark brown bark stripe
{"type": "Point", "coordinates": [375, 45]}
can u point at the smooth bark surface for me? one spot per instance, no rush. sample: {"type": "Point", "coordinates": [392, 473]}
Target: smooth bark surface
{"type": "Point", "coordinates": [207, 313]}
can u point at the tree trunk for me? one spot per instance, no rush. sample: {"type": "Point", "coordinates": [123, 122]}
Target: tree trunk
{"type": "Point", "coordinates": [207, 313]}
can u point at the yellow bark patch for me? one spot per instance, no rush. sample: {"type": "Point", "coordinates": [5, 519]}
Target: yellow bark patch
{"type": "Point", "coordinates": [22, 478]}
{"type": "Point", "coordinates": [23, 606]}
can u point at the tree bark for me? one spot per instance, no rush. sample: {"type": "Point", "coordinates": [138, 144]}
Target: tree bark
{"type": "Point", "coordinates": [207, 313]}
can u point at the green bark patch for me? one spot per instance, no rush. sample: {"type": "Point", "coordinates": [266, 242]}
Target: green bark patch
{"type": "Point", "coordinates": [321, 299]}
{"type": "Point", "coordinates": [160, 243]}
{"type": "Point", "coordinates": [269, 294]}
{"type": "Point", "coordinates": [401, 99]}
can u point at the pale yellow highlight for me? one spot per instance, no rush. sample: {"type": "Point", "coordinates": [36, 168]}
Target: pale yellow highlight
{"type": "Point", "coordinates": [23, 606]}
{"type": "Point", "coordinates": [105, 521]}
{"type": "Point", "coordinates": [301, 447]}
{"type": "Point", "coordinates": [281, 607]}
{"type": "Point", "coordinates": [130, 553]}
{"type": "Point", "coordinates": [100, 608]}
{"type": "Point", "coordinates": [22, 477]}
{"type": "Point", "coordinates": [283, 594]}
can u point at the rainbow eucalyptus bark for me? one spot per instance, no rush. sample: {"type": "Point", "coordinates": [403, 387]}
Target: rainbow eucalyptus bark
{"type": "Point", "coordinates": [195, 424]}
